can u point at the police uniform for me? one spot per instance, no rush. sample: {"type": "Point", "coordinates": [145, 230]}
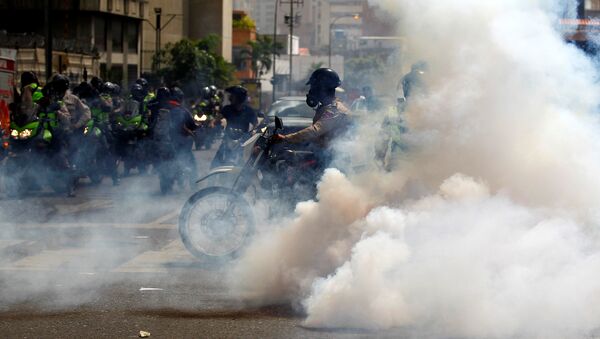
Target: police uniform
{"type": "Point", "coordinates": [330, 121]}
{"type": "Point", "coordinates": [80, 112]}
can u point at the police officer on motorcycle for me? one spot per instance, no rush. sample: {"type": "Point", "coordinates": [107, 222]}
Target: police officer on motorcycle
{"type": "Point", "coordinates": [238, 116]}
{"type": "Point", "coordinates": [55, 117]}
{"type": "Point", "coordinates": [205, 113]}
{"type": "Point", "coordinates": [79, 111]}
{"type": "Point", "coordinates": [331, 117]}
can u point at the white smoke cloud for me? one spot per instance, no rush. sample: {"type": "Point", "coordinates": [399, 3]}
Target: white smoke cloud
{"type": "Point", "coordinates": [488, 227]}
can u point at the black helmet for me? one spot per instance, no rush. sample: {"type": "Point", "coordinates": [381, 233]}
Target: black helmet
{"type": "Point", "coordinates": [137, 91]}
{"type": "Point", "coordinates": [28, 78]}
{"type": "Point", "coordinates": [177, 94]}
{"type": "Point", "coordinates": [110, 88]}
{"type": "Point", "coordinates": [206, 93]}
{"type": "Point", "coordinates": [142, 82]}
{"type": "Point", "coordinates": [326, 78]}
{"type": "Point", "coordinates": [163, 94]}
{"type": "Point", "coordinates": [59, 83]}
{"type": "Point", "coordinates": [116, 90]}
{"type": "Point", "coordinates": [84, 90]}
{"type": "Point", "coordinates": [239, 92]}
{"type": "Point", "coordinates": [97, 83]}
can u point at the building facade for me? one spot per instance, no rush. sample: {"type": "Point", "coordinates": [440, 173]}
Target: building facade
{"type": "Point", "coordinates": [101, 37]}
{"type": "Point", "coordinates": [179, 19]}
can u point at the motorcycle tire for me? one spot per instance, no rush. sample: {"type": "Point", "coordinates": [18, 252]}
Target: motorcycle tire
{"type": "Point", "coordinates": [216, 225]}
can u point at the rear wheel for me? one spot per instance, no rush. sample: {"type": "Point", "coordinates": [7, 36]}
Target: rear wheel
{"type": "Point", "coordinates": [216, 224]}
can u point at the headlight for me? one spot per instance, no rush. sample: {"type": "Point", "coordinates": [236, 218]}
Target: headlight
{"type": "Point", "coordinates": [200, 118]}
{"type": "Point", "coordinates": [25, 134]}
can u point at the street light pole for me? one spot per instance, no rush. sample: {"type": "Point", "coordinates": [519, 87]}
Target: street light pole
{"type": "Point", "coordinates": [291, 21]}
{"type": "Point", "coordinates": [275, 49]}
{"type": "Point", "coordinates": [158, 12]}
{"type": "Point", "coordinates": [354, 16]}
{"type": "Point", "coordinates": [48, 42]}
{"type": "Point", "coordinates": [291, 43]}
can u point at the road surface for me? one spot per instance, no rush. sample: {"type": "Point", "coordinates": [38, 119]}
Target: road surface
{"type": "Point", "coordinates": [109, 263]}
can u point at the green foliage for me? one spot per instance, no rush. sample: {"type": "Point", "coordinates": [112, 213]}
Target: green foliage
{"type": "Point", "coordinates": [363, 71]}
{"type": "Point", "coordinates": [193, 65]}
{"type": "Point", "coordinates": [260, 54]}
{"type": "Point", "coordinates": [210, 43]}
{"type": "Point", "coordinates": [245, 22]}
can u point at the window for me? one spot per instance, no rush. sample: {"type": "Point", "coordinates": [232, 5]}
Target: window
{"type": "Point", "coordinates": [116, 74]}
{"type": "Point", "coordinates": [592, 5]}
{"type": "Point", "coordinates": [132, 37]}
{"type": "Point", "coordinates": [132, 73]}
{"type": "Point", "coordinates": [117, 36]}
{"type": "Point", "coordinates": [100, 34]}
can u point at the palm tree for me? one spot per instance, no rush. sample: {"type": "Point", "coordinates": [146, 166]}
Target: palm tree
{"type": "Point", "coordinates": [260, 54]}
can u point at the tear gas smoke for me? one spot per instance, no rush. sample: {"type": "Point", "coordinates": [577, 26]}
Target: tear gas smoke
{"type": "Point", "coordinates": [488, 227]}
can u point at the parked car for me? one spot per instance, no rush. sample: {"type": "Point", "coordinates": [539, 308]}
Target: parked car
{"type": "Point", "coordinates": [294, 111]}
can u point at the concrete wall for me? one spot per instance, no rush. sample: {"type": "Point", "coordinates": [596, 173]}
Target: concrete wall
{"type": "Point", "coordinates": [212, 17]}
{"type": "Point", "coordinates": [173, 22]}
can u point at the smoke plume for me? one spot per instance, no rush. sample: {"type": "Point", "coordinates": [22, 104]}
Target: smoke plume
{"type": "Point", "coordinates": [488, 226]}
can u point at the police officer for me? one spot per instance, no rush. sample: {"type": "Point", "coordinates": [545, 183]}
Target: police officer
{"type": "Point", "coordinates": [182, 132]}
{"type": "Point", "coordinates": [413, 82]}
{"type": "Point", "coordinates": [210, 107]}
{"type": "Point", "coordinates": [28, 98]}
{"type": "Point", "coordinates": [80, 113]}
{"type": "Point", "coordinates": [55, 117]}
{"type": "Point", "coordinates": [331, 117]}
{"type": "Point", "coordinates": [30, 79]}
{"type": "Point", "coordinates": [238, 116]}
{"type": "Point", "coordinates": [97, 83]}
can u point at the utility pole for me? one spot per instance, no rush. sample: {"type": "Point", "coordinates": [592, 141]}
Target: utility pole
{"type": "Point", "coordinates": [274, 81]}
{"type": "Point", "coordinates": [291, 21]}
{"type": "Point", "coordinates": [48, 31]}
{"type": "Point", "coordinates": [158, 27]}
{"type": "Point", "coordinates": [158, 12]}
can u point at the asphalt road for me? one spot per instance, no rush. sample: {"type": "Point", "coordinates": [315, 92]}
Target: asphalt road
{"type": "Point", "coordinates": [109, 263]}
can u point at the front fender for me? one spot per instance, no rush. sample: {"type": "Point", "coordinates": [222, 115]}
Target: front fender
{"type": "Point", "coordinates": [221, 170]}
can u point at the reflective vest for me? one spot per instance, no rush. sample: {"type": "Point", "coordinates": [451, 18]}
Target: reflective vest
{"type": "Point", "coordinates": [50, 118]}
{"type": "Point", "coordinates": [135, 121]}
{"type": "Point", "coordinates": [36, 93]}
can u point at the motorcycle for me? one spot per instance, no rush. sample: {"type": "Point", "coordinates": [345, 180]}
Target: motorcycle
{"type": "Point", "coordinates": [85, 158]}
{"type": "Point", "coordinates": [128, 129]}
{"type": "Point", "coordinates": [216, 223]}
{"type": "Point", "coordinates": [31, 163]}
{"type": "Point", "coordinates": [230, 153]}
{"type": "Point", "coordinates": [207, 132]}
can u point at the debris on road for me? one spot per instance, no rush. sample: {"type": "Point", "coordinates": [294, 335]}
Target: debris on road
{"type": "Point", "coordinates": [144, 334]}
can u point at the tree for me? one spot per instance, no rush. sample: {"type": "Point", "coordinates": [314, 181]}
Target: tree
{"type": "Point", "coordinates": [193, 65]}
{"type": "Point", "coordinates": [260, 54]}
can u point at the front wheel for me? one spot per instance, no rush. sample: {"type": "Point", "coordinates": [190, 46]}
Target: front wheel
{"type": "Point", "coordinates": [216, 224]}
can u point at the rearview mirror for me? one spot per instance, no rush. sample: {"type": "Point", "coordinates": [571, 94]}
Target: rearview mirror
{"type": "Point", "coordinates": [278, 123]}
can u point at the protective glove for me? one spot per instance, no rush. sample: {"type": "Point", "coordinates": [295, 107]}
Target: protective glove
{"type": "Point", "coordinates": [278, 138]}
